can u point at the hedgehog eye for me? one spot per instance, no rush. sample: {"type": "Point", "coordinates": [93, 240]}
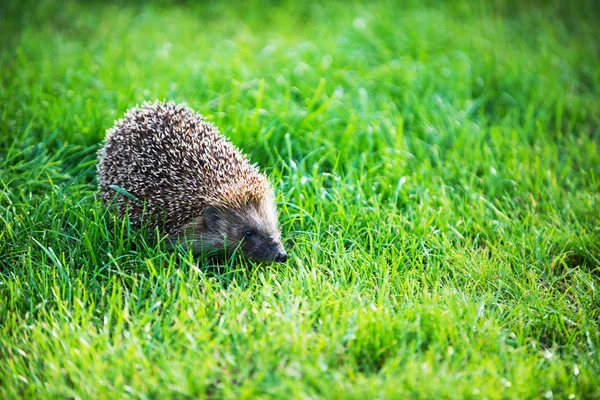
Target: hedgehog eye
{"type": "Point", "coordinates": [249, 233]}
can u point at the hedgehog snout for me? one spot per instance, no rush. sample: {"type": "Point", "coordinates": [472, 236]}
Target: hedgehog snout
{"type": "Point", "coordinates": [281, 257]}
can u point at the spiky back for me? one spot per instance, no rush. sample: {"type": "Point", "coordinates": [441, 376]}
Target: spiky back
{"type": "Point", "coordinates": [171, 160]}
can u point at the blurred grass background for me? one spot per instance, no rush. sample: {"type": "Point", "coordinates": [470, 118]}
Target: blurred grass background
{"type": "Point", "coordinates": [437, 168]}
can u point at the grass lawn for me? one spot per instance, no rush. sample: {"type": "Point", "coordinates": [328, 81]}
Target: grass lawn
{"type": "Point", "coordinates": [437, 169]}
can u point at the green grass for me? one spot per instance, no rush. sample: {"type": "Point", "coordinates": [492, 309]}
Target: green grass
{"type": "Point", "coordinates": [438, 177]}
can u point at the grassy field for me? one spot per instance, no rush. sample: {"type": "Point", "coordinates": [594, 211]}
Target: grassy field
{"type": "Point", "coordinates": [437, 171]}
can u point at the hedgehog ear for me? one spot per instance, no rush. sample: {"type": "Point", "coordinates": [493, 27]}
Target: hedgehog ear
{"type": "Point", "coordinates": [211, 217]}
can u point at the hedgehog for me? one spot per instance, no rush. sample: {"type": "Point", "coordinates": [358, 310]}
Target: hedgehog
{"type": "Point", "coordinates": [164, 166]}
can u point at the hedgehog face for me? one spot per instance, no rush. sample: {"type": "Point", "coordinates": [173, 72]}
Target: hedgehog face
{"type": "Point", "coordinates": [253, 230]}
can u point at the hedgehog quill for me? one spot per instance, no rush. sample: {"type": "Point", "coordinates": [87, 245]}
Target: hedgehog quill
{"type": "Point", "coordinates": [168, 168]}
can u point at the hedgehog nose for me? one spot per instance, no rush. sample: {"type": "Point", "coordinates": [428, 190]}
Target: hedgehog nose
{"type": "Point", "coordinates": [281, 257]}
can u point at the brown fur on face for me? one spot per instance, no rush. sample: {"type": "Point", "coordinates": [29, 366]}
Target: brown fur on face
{"type": "Point", "coordinates": [251, 229]}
